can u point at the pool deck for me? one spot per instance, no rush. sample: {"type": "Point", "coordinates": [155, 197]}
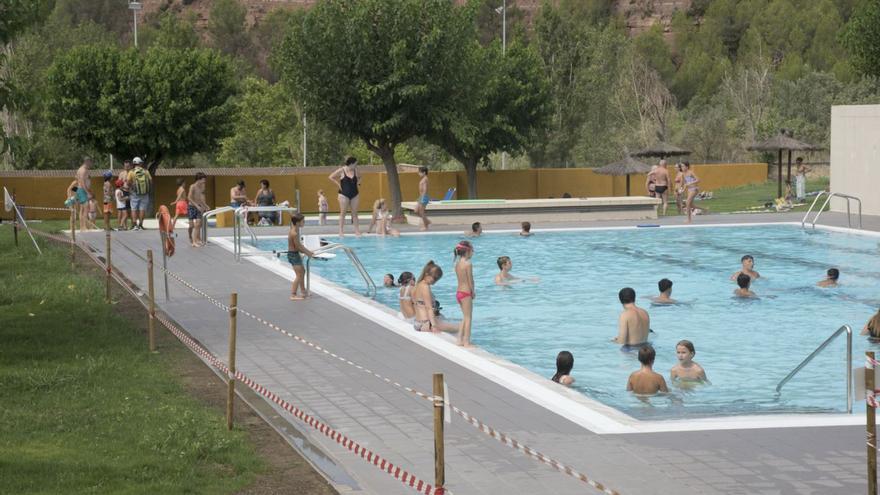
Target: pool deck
{"type": "Point", "coordinates": [398, 425]}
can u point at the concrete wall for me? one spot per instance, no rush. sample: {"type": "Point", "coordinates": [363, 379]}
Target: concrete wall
{"type": "Point", "coordinates": [855, 156]}
{"type": "Point", "coordinates": [35, 189]}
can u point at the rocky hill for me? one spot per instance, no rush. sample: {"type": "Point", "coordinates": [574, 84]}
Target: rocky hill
{"type": "Point", "coordinates": [639, 15]}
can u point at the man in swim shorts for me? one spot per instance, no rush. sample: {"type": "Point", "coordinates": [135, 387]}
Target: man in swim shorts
{"type": "Point", "coordinates": [830, 279]}
{"type": "Point", "coordinates": [422, 202]}
{"type": "Point", "coordinates": [748, 268]}
{"type": "Point", "coordinates": [665, 287]}
{"type": "Point", "coordinates": [197, 207]}
{"type": "Point", "coordinates": [634, 323]}
{"type": "Point", "coordinates": [661, 184]}
{"type": "Point", "coordinates": [84, 191]}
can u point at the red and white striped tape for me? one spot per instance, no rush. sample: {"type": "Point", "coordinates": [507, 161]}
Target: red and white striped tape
{"type": "Point", "coordinates": [368, 455]}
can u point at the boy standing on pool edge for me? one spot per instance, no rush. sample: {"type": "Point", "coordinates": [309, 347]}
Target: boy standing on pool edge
{"type": "Point", "coordinates": [295, 250]}
{"type": "Point", "coordinates": [422, 202]}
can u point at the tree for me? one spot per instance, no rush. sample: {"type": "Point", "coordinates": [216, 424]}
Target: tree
{"type": "Point", "coordinates": [161, 104]}
{"type": "Point", "coordinates": [228, 28]}
{"type": "Point", "coordinates": [645, 104]}
{"type": "Point", "coordinates": [748, 91]}
{"type": "Point", "coordinates": [379, 70]}
{"type": "Point", "coordinates": [171, 31]}
{"type": "Point", "coordinates": [267, 131]}
{"type": "Point", "coordinates": [861, 37]}
{"type": "Point", "coordinates": [497, 110]}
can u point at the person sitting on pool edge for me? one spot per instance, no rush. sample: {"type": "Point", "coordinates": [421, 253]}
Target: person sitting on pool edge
{"type": "Point", "coordinates": [634, 323]}
{"type": "Point", "coordinates": [526, 229]}
{"type": "Point", "coordinates": [476, 230]}
{"type": "Point", "coordinates": [872, 328]}
{"type": "Point", "coordinates": [830, 279]}
{"type": "Point", "coordinates": [564, 364]}
{"type": "Point", "coordinates": [744, 282]}
{"type": "Point", "coordinates": [748, 267]}
{"type": "Point", "coordinates": [665, 287]}
{"type": "Point", "coordinates": [646, 381]}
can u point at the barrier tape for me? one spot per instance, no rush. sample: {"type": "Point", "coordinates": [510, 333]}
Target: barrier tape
{"type": "Point", "coordinates": [470, 419]}
{"type": "Point", "coordinates": [368, 455]}
{"type": "Point", "coordinates": [46, 208]}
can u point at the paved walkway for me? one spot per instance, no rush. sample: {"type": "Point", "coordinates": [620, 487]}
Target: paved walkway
{"type": "Point", "coordinates": [398, 425]}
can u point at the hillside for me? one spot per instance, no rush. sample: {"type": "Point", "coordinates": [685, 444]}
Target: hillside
{"type": "Point", "coordinates": [638, 15]}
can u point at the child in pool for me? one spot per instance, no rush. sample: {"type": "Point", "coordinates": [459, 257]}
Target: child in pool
{"type": "Point", "coordinates": [388, 280]}
{"type": "Point", "coordinates": [465, 293]}
{"type": "Point", "coordinates": [687, 370]}
{"type": "Point", "coordinates": [744, 282]}
{"type": "Point", "coordinates": [406, 282]}
{"type": "Point", "coordinates": [526, 229]}
{"type": "Point", "coordinates": [646, 381]}
{"type": "Point", "coordinates": [564, 364]}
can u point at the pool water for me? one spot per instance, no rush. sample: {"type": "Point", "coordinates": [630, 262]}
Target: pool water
{"type": "Point", "coordinates": [745, 346]}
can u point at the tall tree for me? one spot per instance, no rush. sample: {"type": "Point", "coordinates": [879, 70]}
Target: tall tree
{"type": "Point", "coordinates": [380, 70]}
{"type": "Point", "coordinates": [504, 100]}
{"type": "Point", "coordinates": [861, 37]}
{"type": "Point", "coordinates": [161, 104]}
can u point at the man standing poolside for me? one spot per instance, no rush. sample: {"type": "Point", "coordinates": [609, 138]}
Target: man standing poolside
{"type": "Point", "coordinates": [141, 183]}
{"type": "Point", "coordinates": [197, 208]}
{"type": "Point", "coordinates": [84, 191]}
{"type": "Point", "coordinates": [661, 184]}
{"type": "Point", "coordinates": [422, 202]}
{"type": "Point", "coordinates": [634, 323]}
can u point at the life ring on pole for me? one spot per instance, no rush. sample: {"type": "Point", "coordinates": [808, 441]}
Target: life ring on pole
{"type": "Point", "coordinates": [166, 230]}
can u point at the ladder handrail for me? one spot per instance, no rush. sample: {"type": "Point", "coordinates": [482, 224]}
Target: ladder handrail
{"type": "Point", "coordinates": [828, 200]}
{"type": "Point", "coordinates": [823, 345]}
{"type": "Point", "coordinates": [352, 256]}
{"type": "Point", "coordinates": [238, 219]}
{"type": "Point", "coordinates": [212, 213]}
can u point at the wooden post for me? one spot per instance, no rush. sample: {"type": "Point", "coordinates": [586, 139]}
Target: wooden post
{"type": "Point", "coordinates": [871, 429]}
{"type": "Point", "coordinates": [439, 463]}
{"type": "Point", "coordinates": [230, 393]}
{"type": "Point", "coordinates": [152, 313]}
{"type": "Point", "coordinates": [15, 214]}
{"type": "Point", "coordinates": [107, 254]}
{"type": "Point", "coordinates": [73, 235]}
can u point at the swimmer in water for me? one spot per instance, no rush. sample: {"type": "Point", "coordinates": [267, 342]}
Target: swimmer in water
{"type": "Point", "coordinates": [526, 229]}
{"type": "Point", "coordinates": [872, 328]}
{"type": "Point", "coordinates": [388, 280]}
{"type": "Point", "coordinates": [686, 370]}
{"type": "Point", "coordinates": [505, 277]}
{"type": "Point", "coordinates": [744, 281]}
{"type": "Point", "coordinates": [646, 381]}
{"type": "Point", "coordinates": [748, 267]}
{"type": "Point", "coordinates": [564, 364]}
{"type": "Point", "coordinates": [634, 323]}
{"type": "Point", "coordinates": [830, 279]}
{"type": "Point", "coordinates": [665, 287]}
{"type": "Point", "coordinates": [476, 230]}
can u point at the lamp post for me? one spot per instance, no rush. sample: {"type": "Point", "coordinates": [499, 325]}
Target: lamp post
{"type": "Point", "coordinates": [135, 7]}
{"type": "Point", "coordinates": [503, 11]}
{"type": "Point", "coordinates": [305, 141]}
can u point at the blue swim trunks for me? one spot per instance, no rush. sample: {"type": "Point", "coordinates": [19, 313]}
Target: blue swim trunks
{"type": "Point", "coordinates": [295, 259]}
{"type": "Point", "coordinates": [82, 197]}
{"type": "Point", "coordinates": [424, 200]}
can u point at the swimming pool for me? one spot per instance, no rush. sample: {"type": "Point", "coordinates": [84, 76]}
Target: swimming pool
{"type": "Point", "coordinates": [746, 347]}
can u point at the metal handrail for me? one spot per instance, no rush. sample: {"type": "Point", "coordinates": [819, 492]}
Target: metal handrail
{"type": "Point", "coordinates": [212, 213]}
{"type": "Point", "coordinates": [238, 219]}
{"type": "Point", "coordinates": [823, 345]}
{"type": "Point", "coordinates": [371, 286]}
{"type": "Point", "coordinates": [827, 200]}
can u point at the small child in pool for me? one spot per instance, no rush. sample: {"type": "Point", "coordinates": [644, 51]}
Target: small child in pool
{"type": "Point", "coordinates": [687, 370]}
{"type": "Point", "coordinates": [646, 381]}
{"type": "Point", "coordinates": [564, 364]}
{"type": "Point", "coordinates": [744, 282]}
{"type": "Point", "coordinates": [388, 281]}
{"type": "Point", "coordinates": [526, 229]}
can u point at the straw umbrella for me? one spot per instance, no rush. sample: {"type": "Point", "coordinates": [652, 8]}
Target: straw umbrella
{"type": "Point", "coordinates": [662, 150]}
{"type": "Point", "coordinates": [627, 166]}
{"type": "Point", "coordinates": [778, 143]}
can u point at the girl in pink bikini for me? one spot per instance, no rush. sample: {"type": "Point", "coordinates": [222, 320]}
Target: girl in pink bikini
{"type": "Point", "coordinates": [465, 292]}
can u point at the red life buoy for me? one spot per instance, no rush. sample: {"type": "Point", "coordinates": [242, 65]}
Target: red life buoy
{"type": "Point", "coordinates": [167, 230]}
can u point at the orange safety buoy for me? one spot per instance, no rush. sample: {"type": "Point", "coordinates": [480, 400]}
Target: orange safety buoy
{"type": "Point", "coordinates": [167, 230]}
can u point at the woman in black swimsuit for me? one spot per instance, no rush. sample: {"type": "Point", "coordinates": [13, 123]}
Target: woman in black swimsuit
{"type": "Point", "coordinates": [347, 180]}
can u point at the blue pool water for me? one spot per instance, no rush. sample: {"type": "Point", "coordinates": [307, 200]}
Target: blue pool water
{"type": "Point", "coordinates": [746, 347]}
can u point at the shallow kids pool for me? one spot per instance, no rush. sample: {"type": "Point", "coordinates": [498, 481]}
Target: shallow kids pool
{"type": "Point", "coordinates": [746, 347]}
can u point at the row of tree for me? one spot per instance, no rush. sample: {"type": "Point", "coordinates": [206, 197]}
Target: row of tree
{"type": "Point", "coordinates": [425, 82]}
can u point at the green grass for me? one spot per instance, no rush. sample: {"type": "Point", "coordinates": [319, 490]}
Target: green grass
{"type": "Point", "coordinates": [746, 198]}
{"type": "Point", "coordinates": [84, 408]}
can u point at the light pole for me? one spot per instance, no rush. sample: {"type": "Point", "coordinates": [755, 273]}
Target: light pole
{"type": "Point", "coordinates": [304, 140]}
{"type": "Point", "coordinates": [503, 53]}
{"type": "Point", "coordinates": [135, 7]}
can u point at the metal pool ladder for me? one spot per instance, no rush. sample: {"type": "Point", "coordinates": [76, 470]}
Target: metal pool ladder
{"type": "Point", "coordinates": [827, 200]}
{"type": "Point", "coordinates": [823, 345]}
{"type": "Point", "coordinates": [371, 287]}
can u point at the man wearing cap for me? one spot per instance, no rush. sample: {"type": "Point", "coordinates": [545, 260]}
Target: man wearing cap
{"type": "Point", "coordinates": [141, 184]}
{"type": "Point", "coordinates": [84, 191]}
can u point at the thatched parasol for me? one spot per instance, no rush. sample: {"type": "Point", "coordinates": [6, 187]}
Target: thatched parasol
{"type": "Point", "coordinates": [778, 143]}
{"type": "Point", "coordinates": [662, 150]}
{"type": "Point", "coordinates": [627, 166]}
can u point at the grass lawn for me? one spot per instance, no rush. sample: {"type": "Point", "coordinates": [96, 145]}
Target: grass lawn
{"type": "Point", "coordinates": [85, 409]}
{"type": "Point", "coordinates": [746, 198]}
